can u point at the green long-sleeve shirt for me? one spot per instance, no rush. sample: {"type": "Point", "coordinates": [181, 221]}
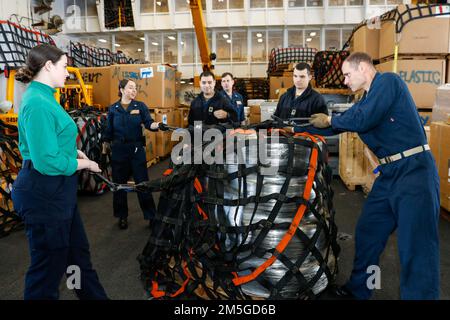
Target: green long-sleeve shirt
{"type": "Point", "coordinates": [47, 134]}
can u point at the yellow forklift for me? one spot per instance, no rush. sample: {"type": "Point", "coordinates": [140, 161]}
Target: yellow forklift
{"type": "Point", "coordinates": [75, 94]}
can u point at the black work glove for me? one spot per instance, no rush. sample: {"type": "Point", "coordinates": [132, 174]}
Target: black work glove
{"type": "Point", "coordinates": [163, 126]}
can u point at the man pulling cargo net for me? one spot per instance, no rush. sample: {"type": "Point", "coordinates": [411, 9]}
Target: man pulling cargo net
{"type": "Point", "coordinates": [259, 225]}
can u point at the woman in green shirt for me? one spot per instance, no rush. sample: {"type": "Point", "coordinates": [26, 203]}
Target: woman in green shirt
{"type": "Point", "coordinates": [45, 191]}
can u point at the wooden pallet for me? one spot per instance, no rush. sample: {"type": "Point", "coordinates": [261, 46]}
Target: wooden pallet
{"type": "Point", "coordinates": [152, 162]}
{"type": "Point", "coordinates": [356, 162]}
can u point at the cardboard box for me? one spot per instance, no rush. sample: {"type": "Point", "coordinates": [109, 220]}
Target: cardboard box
{"type": "Point", "coordinates": [150, 144]}
{"type": "Point", "coordinates": [255, 118]}
{"type": "Point", "coordinates": [279, 82]}
{"type": "Point", "coordinates": [99, 78]}
{"type": "Point", "coordinates": [367, 40]}
{"type": "Point", "coordinates": [441, 108]}
{"type": "Point", "coordinates": [428, 35]}
{"type": "Point", "coordinates": [255, 109]}
{"type": "Point", "coordinates": [155, 83]}
{"type": "Point", "coordinates": [439, 144]}
{"type": "Point", "coordinates": [422, 76]}
{"type": "Point", "coordinates": [163, 143]}
{"type": "Point", "coordinates": [167, 116]}
{"type": "Point", "coordinates": [425, 117]}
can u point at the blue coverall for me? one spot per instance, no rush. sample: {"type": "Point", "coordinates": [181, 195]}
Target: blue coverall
{"type": "Point", "coordinates": [237, 102]}
{"type": "Point", "coordinates": [124, 131]}
{"type": "Point", "coordinates": [404, 198]}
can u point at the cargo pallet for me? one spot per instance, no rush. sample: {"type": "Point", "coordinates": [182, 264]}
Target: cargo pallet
{"type": "Point", "coordinates": [356, 163]}
{"type": "Point", "coordinates": [152, 162]}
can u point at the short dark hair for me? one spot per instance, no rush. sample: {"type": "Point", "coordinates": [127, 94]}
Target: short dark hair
{"type": "Point", "coordinates": [302, 66]}
{"type": "Point", "coordinates": [207, 74]}
{"type": "Point", "coordinates": [227, 74]}
{"type": "Point", "coordinates": [357, 57]}
{"type": "Point", "coordinates": [122, 84]}
{"type": "Point", "coordinates": [36, 59]}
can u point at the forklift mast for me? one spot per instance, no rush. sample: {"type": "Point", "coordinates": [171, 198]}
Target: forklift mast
{"type": "Point", "coordinates": [200, 30]}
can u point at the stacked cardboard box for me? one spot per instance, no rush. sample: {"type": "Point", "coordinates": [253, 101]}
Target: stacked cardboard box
{"type": "Point", "coordinates": [155, 83]}
{"type": "Point", "coordinates": [255, 110]}
{"type": "Point", "coordinates": [150, 145]}
{"type": "Point", "coordinates": [422, 76]}
{"type": "Point", "coordinates": [439, 144]}
{"type": "Point", "coordinates": [366, 39]}
{"type": "Point", "coordinates": [423, 44]}
{"type": "Point", "coordinates": [277, 83]}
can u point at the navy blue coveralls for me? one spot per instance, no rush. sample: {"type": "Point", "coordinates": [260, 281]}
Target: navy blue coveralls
{"type": "Point", "coordinates": [237, 102]}
{"type": "Point", "coordinates": [124, 131]}
{"type": "Point", "coordinates": [405, 196]}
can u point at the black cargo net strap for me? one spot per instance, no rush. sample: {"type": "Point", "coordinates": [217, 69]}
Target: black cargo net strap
{"type": "Point", "coordinates": [90, 125]}
{"type": "Point", "coordinates": [189, 252]}
{"type": "Point", "coordinates": [16, 41]}
{"type": "Point", "coordinates": [412, 12]}
{"type": "Point", "coordinates": [10, 164]}
{"type": "Point", "coordinates": [288, 55]}
{"type": "Point", "coordinates": [83, 55]}
{"type": "Point", "coordinates": [327, 69]}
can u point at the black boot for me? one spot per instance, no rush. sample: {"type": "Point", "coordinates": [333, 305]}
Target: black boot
{"type": "Point", "coordinates": [123, 223]}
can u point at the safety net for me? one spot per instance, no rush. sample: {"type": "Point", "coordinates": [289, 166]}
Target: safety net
{"type": "Point", "coordinates": [91, 123]}
{"type": "Point", "coordinates": [82, 55]}
{"type": "Point", "coordinates": [288, 55]}
{"type": "Point", "coordinates": [246, 230]}
{"type": "Point", "coordinates": [327, 69]}
{"type": "Point", "coordinates": [16, 41]}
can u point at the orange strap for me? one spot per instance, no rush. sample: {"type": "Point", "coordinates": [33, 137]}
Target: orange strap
{"type": "Point", "coordinates": [198, 186]}
{"type": "Point", "coordinates": [295, 222]}
{"type": "Point", "coordinates": [240, 130]}
{"type": "Point", "coordinates": [159, 293]}
{"type": "Point", "coordinates": [168, 172]}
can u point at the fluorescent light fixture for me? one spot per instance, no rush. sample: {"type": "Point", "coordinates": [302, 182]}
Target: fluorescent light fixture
{"type": "Point", "coordinates": [142, 38]}
{"type": "Point", "coordinates": [260, 40]}
{"type": "Point", "coordinates": [155, 43]}
{"type": "Point", "coordinates": [259, 35]}
{"type": "Point", "coordinates": [158, 3]}
{"type": "Point", "coordinates": [171, 37]}
{"type": "Point", "coordinates": [181, 42]}
{"type": "Point", "coordinates": [182, 82]}
{"type": "Point", "coordinates": [229, 41]}
{"type": "Point", "coordinates": [225, 35]}
{"type": "Point", "coordinates": [117, 45]}
{"type": "Point", "coordinates": [139, 50]}
{"type": "Point", "coordinates": [313, 34]}
{"type": "Point", "coordinates": [308, 39]}
{"type": "Point", "coordinates": [103, 40]}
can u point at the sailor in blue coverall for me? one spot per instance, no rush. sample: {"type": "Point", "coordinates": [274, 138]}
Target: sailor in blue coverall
{"type": "Point", "coordinates": [124, 131]}
{"type": "Point", "coordinates": [405, 196]}
{"type": "Point", "coordinates": [233, 97]}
